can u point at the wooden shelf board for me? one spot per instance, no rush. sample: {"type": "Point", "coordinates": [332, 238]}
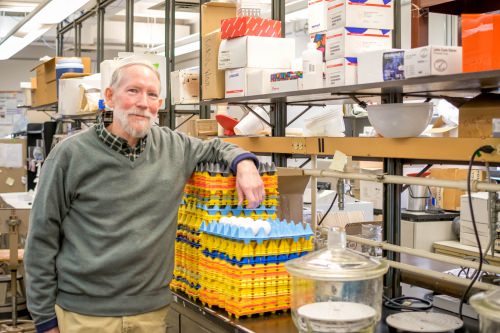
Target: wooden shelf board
{"type": "Point", "coordinates": [443, 149]}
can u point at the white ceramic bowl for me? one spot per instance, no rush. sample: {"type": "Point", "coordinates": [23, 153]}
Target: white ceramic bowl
{"type": "Point", "coordinates": [400, 120]}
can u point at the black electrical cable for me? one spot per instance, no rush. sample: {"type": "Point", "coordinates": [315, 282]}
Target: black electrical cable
{"type": "Point", "coordinates": [398, 303]}
{"type": "Point", "coordinates": [329, 209]}
{"type": "Point", "coordinates": [485, 149]}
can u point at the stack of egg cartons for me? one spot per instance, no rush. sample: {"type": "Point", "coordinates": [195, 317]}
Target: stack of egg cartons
{"type": "Point", "coordinates": [251, 50]}
{"type": "Point", "coordinates": [209, 195]}
{"type": "Point", "coordinates": [243, 269]}
{"type": "Point", "coordinates": [351, 27]}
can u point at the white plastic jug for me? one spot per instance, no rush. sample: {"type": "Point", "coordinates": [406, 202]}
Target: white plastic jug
{"type": "Point", "coordinates": [312, 67]}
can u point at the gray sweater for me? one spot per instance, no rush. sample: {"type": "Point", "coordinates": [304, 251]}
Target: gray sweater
{"type": "Point", "coordinates": [102, 228]}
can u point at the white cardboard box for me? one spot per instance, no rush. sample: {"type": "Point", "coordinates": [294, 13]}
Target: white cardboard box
{"type": "Point", "coordinates": [480, 206]}
{"type": "Point", "coordinates": [185, 87]}
{"type": "Point", "coordinates": [482, 228]}
{"type": "Point", "coordinates": [256, 52]}
{"type": "Point", "coordinates": [349, 42]}
{"type": "Point", "coordinates": [236, 82]}
{"type": "Point", "coordinates": [317, 15]}
{"type": "Point", "coordinates": [467, 238]}
{"type": "Point", "coordinates": [71, 90]}
{"type": "Point", "coordinates": [380, 65]}
{"type": "Point", "coordinates": [293, 83]}
{"type": "Point", "coordinates": [374, 14]}
{"type": "Point", "coordinates": [341, 72]}
{"type": "Point", "coordinates": [249, 81]}
{"type": "Point", "coordinates": [433, 60]}
{"type": "Point", "coordinates": [422, 235]}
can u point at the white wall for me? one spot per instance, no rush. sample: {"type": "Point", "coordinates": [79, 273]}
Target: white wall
{"type": "Point", "coordinates": [15, 71]}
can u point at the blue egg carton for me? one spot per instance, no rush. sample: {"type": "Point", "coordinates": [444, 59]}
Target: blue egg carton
{"type": "Point", "coordinates": [279, 230]}
{"type": "Point", "coordinates": [272, 259]}
{"type": "Point", "coordinates": [187, 241]}
{"type": "Point", "coordinates": [225, 210]}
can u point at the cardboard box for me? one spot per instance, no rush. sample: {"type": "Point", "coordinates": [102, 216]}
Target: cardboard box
{"type": "Point", "coordinates": [291, 186]}
{"type": "Point", "coordinates": [46, 85]}
{"type": "Point", "coordinates": [467, 238]}
{"type": "Point", "coordinates": [349, 42]}
{"type": "Point", "coordinates": [71, 89]}
{"type": "Point", "coordinates": [433, 60]}
{"type": "Point", "coordinates": [480, 206]}
{"type": "Point", "coordinates": [320, 40]}
{"type": "Point", "coordinates": [475, 118]}
{"type": "Point", "coordinates": [480, 36]}
{"type": "Point", "coordinates": [373, 14]}
{"type": "Point", "coordinates": [12, 170]}
{"type": "Point", "coordinates": [380, 65]}
{"type": "Point", "coordinates": [482, 228]}
{"type": "Point", "coordinates": [286, 81]}
{"type": "Point", "coordinates": [185, 87]}
{"type": "Point", "coordinates": [212, 14]}
{"type": "Point", "coordinates": [212, 82]}
{"type": "Point", "coordinates": [317, 19]}
{"type": "Point", "coordinates": [249, 81]}
{"type": "Point", "coordinates": [203, 128]}
{"type": "Point", "coordinates": [256, 52]}
{"type": "Point", "coordinates": [448, 198]}
{"type": "Point", "coordinates": [236, 82]}
{"type": "Point", "coordinates": [422, 235]}
{"type": "Point", "coordinates": [341, 72]}
{"type": "Point", "coordinates": [249, 26]}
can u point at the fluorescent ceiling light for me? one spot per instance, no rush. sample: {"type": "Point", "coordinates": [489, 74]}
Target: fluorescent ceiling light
{"type": "Point", "coordinates": [44, 17]}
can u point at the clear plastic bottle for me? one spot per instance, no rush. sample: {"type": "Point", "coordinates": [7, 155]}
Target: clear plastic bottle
{"type": "Point", "coordinates": [312, 67]}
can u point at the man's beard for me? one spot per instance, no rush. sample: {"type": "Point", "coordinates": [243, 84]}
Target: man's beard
{"type": "Point", "coordinates": [122, 116]}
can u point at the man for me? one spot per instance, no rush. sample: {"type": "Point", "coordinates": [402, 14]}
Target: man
{"type": "Point", "coordinates": [100, 250]}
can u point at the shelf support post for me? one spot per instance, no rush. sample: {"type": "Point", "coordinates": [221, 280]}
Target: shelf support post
{"type": "Point", "coordinates": [129, 26]}
{"type": "Point", "coordinates": [100, 34]}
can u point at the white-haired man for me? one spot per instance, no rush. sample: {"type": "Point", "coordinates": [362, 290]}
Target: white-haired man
{"type": "Point", "coordinates": [100, 250]}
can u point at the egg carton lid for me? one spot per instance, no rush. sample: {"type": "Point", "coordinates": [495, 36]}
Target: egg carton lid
{"type": "Point", "coordinates": [279, 230]}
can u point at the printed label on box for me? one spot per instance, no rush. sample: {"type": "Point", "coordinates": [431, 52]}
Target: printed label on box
{"type": "Point", "coordinates": [393, 64]}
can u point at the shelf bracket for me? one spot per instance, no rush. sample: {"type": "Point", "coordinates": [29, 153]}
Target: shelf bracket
{"type": "Point", "coordinates": [249, 109]}
{"type": "Point", "coordinates": [299, 115]}
{"type": "Point", "coordinates": [185, 121]}
{"type": "Point", "coordinates": [358, 101]}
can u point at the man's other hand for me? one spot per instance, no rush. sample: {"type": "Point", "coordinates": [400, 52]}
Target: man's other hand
{"type": "Point", "coordinates": [249, 184]}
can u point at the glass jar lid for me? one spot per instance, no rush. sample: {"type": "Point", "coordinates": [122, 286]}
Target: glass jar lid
{"type": "Point", "coordinates": [336, 262]}
{"type": "Point", "coordinates": [487, 304]}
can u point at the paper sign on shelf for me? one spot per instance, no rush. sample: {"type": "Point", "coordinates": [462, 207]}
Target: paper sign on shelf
{"type": "Point", "coordinates": [339, 161]}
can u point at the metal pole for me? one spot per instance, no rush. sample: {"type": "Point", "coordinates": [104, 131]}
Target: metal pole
{"type": "Point", "coordinates": [129, 26]}
{"type": "Point", "coordinates": [392, 222]}
{"type": "Point", "coordinates": [204, 109]}
{"type": "Point", "coordinates": [60, 40]}
{"type": "Point", "coordinates": [164, 115]}
{"type": "Point", "coordinates": [171, 59]}
{"type": "Point", "coordinates": [78, 39]}
{"type": "Point", "coordinates": [100, 35]}
{"type": "Point", "coordinates": [396, 37]}
{"type": "Point", "coordinates": [314, 195]}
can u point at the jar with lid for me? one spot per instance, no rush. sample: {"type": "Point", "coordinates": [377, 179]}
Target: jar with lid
{"type": "Point", "coordinates": [336, 289]}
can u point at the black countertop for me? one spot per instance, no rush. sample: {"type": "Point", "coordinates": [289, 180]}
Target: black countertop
{"type": "Point", "coordinates": [280, 322]}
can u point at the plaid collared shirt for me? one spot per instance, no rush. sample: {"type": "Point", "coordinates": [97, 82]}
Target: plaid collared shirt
{"type": "Point", "coordinates": [118, 144]}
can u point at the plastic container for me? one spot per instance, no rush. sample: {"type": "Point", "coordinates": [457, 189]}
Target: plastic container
{"type": "Point", "coordinates": [68, 65]}
{"type": "Point", "coordinates": [418, 195]}
{"type": "Point", "coordinates": [251, 124]}
{"type": "Point", "coordinates": [328, 124]}
{"type": "Point", "coordinates": [336, 289]}
{"type": "Point", "coordinates": [255, 8]}
{"type": "Point", "coordinates": [487, 305]}
{"type": "Point", "coordinates": [312, 67]}
{"type": "Point", "coordinates": [400, 120]}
